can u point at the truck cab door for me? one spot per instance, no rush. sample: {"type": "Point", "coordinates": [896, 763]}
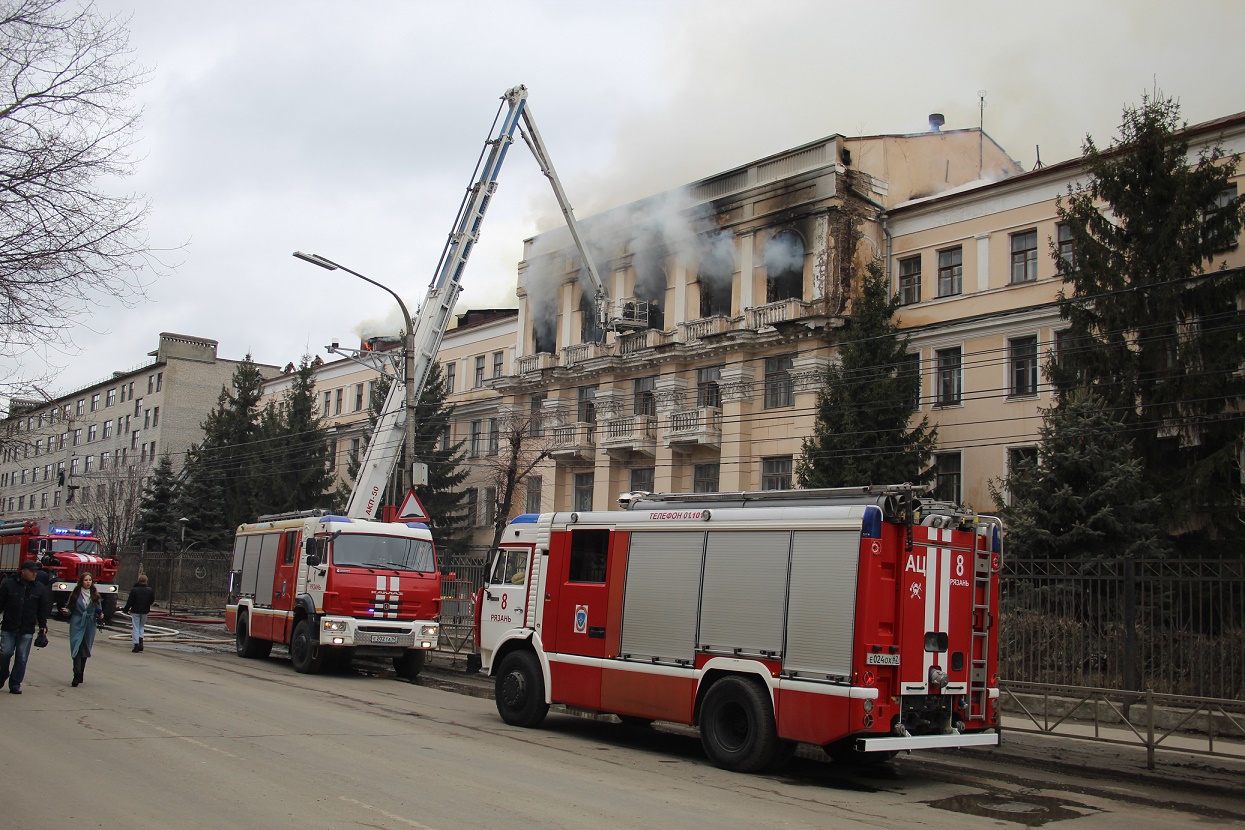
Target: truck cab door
{"type": "Point", "coordinates": [285, 585]}
{"type": "Point", "coordinates": [505, 597]}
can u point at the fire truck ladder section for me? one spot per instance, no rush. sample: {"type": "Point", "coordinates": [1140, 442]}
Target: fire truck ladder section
{"type": "Point", "coordinates": [983, 621]}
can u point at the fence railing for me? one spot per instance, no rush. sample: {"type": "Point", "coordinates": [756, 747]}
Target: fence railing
{"type": "Point", "coordinates": [194, 580]}
{"type": "Point", "coordinates": [1171, 626]}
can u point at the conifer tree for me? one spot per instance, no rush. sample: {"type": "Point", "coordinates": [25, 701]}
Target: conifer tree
{"type": "Point", "coordinates": [1087, 496]}
{"type": "Point", "coordinates": [864, 433]}
{"type": "Point", "coordinates": [201, 501]}
{"type": "Point", "coordinates": [157, 526]}
{"type": "Point", "coordinates": [1154, 329]}
{"type": "Point", "coordinates": [292, 457]}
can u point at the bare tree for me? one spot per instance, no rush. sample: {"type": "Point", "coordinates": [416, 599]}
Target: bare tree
{"type": "Point", "coordinates": [67, 125]}
{"type": "Point", "coordinates": [523, 445]}
{"type": "Point", "coordinates": [108, 500]}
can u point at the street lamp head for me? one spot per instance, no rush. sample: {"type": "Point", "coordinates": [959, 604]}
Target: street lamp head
{"type": "Point", "coordinates": [316, 259]}
{"type": "Point", "coordinates": [183, 519]}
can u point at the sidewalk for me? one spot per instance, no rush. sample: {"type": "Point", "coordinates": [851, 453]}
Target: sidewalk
{"type": "Point", "coordinates": [1221, 774]}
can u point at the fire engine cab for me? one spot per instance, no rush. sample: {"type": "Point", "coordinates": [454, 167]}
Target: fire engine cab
{"type": "Point", "coordinates": [861, 620]}
{"type": "Point", "coordinates": [65, 553]}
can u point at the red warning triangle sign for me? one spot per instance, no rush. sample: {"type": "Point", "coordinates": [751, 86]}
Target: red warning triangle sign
{"type": "Point", "coordinates": [412, 509]}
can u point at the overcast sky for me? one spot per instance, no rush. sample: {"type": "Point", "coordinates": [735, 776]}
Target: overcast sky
{"type": "Point", "coordinates": [351, 129]}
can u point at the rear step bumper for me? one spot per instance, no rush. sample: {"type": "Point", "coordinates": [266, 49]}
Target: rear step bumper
{"type": "Point", "coordinates": [926, 742]}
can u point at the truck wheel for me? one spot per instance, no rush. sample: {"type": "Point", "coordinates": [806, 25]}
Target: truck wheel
{"type": "Point", "coordinates": [246, 645]}
{"type": "Point", "coordinates": [520, 690]}
{"type": "Point", "coordinates": [110, 607]}
{"type": "Point", "coordinates": [737, 725]}
{"type": "Point", "coordinates": [305, 651]}
{"type": "Point", "coordinates": [409, 664]}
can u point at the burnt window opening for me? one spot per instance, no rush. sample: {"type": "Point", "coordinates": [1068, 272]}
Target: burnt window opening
{"type": "Point", "coordinates": [590, 330]}
{"type": "Point", "coordinates": [650, 287]}
{"type": "Point", "coordinates": [784, 267]}
{"type": "Point", "coordinates": [716, 275]}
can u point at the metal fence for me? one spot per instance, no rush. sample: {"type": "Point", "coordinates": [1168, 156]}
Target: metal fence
{"type": "Point", "coordinates": [1172, 626]}
{"type": "Point", "coordinates": [193, 581]}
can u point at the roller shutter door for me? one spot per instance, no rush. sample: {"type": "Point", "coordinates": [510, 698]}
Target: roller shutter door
{"type": "Point", "coordinates": [663, 589]}
{"type": "Point", "coordinates": [745, 591]}
{"type": "Point", "coordinates": [821, 609]}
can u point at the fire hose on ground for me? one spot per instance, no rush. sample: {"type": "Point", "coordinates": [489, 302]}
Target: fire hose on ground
{"type": "Point", "coordinates": [164, 634]}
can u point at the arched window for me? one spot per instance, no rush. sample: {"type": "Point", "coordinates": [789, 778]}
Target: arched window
{"type": "Point", "coordinates": [544, 327]}
{"type": "Point", "coordinates": [715, 276]}
{"type": "Point", "coordinates": [784, 267]}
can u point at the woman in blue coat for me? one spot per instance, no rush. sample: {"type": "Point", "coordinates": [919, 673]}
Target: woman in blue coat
{"type": "Point", "coordinates": [86, 613]}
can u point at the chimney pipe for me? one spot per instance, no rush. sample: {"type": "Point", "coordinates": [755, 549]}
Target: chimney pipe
{"type": "Point", "coordinates": [936, 120]}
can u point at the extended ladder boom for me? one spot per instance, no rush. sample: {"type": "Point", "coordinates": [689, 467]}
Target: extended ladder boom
{"type": "Point", "coordinates": [429, 324]}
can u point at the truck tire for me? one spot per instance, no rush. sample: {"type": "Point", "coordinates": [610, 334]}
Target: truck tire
{"type": "Point", "coordinates": [110, 607]}
{"type": "Point", "coordinates": [737, 725]}
{"type": "Point", "coordinates": [246, 645]}
{"type": "Point", "coordinates": [520, 690]}
{"type": "Point", "coordinates": [305, 651]}
{"type": "Point", "coordinates": [409, 664]}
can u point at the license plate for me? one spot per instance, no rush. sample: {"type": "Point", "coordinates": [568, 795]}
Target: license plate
{"type": "Point", "coordinates": [882, 660]}
{"type": "Point", "coordinates": [384, 638]}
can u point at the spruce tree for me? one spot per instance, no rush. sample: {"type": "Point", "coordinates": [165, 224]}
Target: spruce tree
{"type": "Point", "coordinates": [201, 501]}
{"type": "Point", "coordinates": [1087, 496]}
{"type": "Point", "coordinates": [863, 433]}
{"type": "Point", "coordinates": [292, 470]}
{"type": "Point", "coordinates": [157, 526]}
{"type": "Point", "coordinates": [1154, 328]}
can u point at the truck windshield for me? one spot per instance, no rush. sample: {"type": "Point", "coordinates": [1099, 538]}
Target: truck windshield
{"type": "Point", "coordinates": [399, 553]}
{"type": "Point", "coordinates": [75, 546]}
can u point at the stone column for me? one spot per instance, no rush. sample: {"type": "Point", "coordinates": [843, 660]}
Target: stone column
{"type": "Point", "coordinates": [738, 403]}
{"type": "Point", "coordinates": [745, 271]}
{"type": "Point", "coordinates": [672, 396]}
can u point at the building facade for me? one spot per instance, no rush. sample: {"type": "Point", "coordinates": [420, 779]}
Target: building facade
{"type": "Point", "coordinates": [83, 457]}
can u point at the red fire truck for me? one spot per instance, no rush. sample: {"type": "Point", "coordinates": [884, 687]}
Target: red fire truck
{"type": "Point", "coordinates": [330, 587]}
{"type": "Point", "coordinates": [65, 553]}
{"type": "Point", "coordinates": [860, 620]}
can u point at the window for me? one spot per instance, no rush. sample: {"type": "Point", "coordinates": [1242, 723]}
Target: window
{"type": "Point", "coordinates": [1219, 236]}
{"type": "Point", "coordinates": [77, 437]}
{"type": "Point", "coordinates": [446, 435]}
{"type": "Point", "coordinates": [705, 477]}
{"type": "Point", "coordinates": [73, 468]}
{"type": "Point", "coordinates": [159, 380]}
{"type": "Point", "coordinates": [1067, 245]}
{"type": "Point", "coordinates": [56, 499]}
{"type": "Point", "coordinates": [147, 419]}
{"type": "Point", "coordinates": [95, 402]}
{"type": "Point", "coordinates": [332, 455]}
{"type": "Point", "coordinates": [80, 407]}
{"type": "Point", "coordinates": [911, 367]}
{"type": "Point", "coordinates": [47, 471]}
{"type": "Point", "coordinates": [490, 506]}
{"type": "Point", "coordinates": [1024, 256]}
{"type": "Point", "coordinates": [110, 399]}
{"type": "Point", "coordinates": [509, 568]}
{"type": "Point", "coordinates": [88, 463]}
{"type": "Point", "coordinates": [910, 280]}
{"type": "Point", "coordinates": [1019, 458]}
{"type": "Point", "coordinates": [494, 437]}
{"type": "Point", "coordinates": [589, 555]}
{"type": "Point", "coordinates": [587, 405]}
{"type": "Point", "coordinates": [450, 369]}
{"type": "Point", "coordinates": [107, 430]}
{"type": "Point", "coordinates": [479, 375]}
{"type": "Point", "coordinates": [138, 407]}
{"type": "Point", "coordinates": [584, 483]}
{"type": "Point", "coordinates": [153, 450]}
{"type": "Point", "coordinates": [948, 476]}
{"type": "Point", "coordinates": [642, 479]}
{"type": "Point", "coordinates": [104, 458]}
{"type": "Point", "coordinates": [499, 358]}
{"type": "Point", "coordinates": [337, 401]}
{"type": "Point", "coordinates": [708, 387]}
{"type": "Point", "coordinates": [950, 272]}
{"type": "Point", "coordinates": [151, 384]}
{"type": "Point", "coordinates": [134, 440]}
{"type": "Point", "coordinates": [536, 423]}
{"type": "Point", "coordinates": [155, 417]}
{"type": "Point", "coordinates": [784, 267]}
{"type": "Point", "coordinates": [38, 446]}
{"type": "Point", "coordinates": [355, 446]}
{"type": "Point", "coordinates": [948, 368]}
{"type": "Point", "coordinates": [91, 432]}
{"type": "Point", "coordinates": [1023, 360]}
{"type": "Point", "coordinates": [778, 387]}
{"type": "Point", "coordinates": [644, 402]}
{"type": "Point", "coordinates": [477, 435]}
{"type": "Point", "coordinates": [43, 499]}
{"type": "Point", "coordinates": [531, 501]}
{"type": "Point", "coordinates": [328, 402]}
{"type": "Point", "coordinates": [776, 473]}
{"type": "Point", "coordinates": [471, 506]}
{"type": "Point", "coordinates": [358, 397]}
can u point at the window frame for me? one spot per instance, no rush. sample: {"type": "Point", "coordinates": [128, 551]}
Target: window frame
{"type": "Point", "coordinates": [1024, 258]}
{"type": "Point", "coordinates": [908, 282]}
{"type": "Point", "coordinates": [949, 377]}
{"type": "Point", "coordinates": [1023, 379]}
{"type": "Point", "coordinates": [779, 385]}
{"type": "Point", "coordinates": [951, 274]}
{"type": "Point", "coordinates": [777, 469]}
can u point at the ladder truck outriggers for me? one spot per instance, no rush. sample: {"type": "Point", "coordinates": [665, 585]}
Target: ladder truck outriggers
{"type": "Point", "coordinates": [332, 586]}
{"type": "Point", "coordinates": [861, 620]}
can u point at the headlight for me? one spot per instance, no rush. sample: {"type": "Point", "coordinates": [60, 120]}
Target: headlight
{"type": "Point", "coordinates": [335, 625]}
{"type": "Point", "coordinates": [428, 631]}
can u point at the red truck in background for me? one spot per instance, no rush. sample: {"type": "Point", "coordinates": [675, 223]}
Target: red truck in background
{"type": "Point", "coordinates": [65, 553]}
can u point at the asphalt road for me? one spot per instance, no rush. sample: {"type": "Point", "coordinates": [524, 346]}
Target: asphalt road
{"type": "Point", "coordinates": [188, 736]}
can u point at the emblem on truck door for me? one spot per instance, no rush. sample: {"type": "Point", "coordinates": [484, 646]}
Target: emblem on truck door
{"type": "Point", "coordinates": [581, 619]}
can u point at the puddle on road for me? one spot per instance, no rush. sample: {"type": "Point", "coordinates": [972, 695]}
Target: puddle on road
{"type": "Point", "coordinates": [1029, 810]}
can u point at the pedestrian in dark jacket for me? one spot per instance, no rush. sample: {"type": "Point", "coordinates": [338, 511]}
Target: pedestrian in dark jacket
{"type": "Point", "coordinates": [138, 606]}
{"type": "Point", "coordinates": [25, 603]}
{"type": "Point", "coordinates": [86, 613]}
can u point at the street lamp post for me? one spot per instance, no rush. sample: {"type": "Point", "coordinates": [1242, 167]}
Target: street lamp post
{"type": "Point", "coordinates": [329, 265]}
{"type": "Point", "coordinates": [177, 566]}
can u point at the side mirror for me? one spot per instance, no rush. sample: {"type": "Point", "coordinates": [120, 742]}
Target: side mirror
{"type": "Point", "coordinates": [313, 560]}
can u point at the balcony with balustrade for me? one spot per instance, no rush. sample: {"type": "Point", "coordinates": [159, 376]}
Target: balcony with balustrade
{"type": "Point", "coordinates": [631, 434]}
{"type": "Point", "coordinates": [582, 352]}
{"type": "Point", "coordinates": [536, 362]}
{"type": "Point", "coordinates": [687, 429]}
{"type": "Point", "coordinates": [759, 317]}
{"type": "Point", "coordinates": [690, 331]}
{"type": "Point", "coordinates": [573, 442]}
